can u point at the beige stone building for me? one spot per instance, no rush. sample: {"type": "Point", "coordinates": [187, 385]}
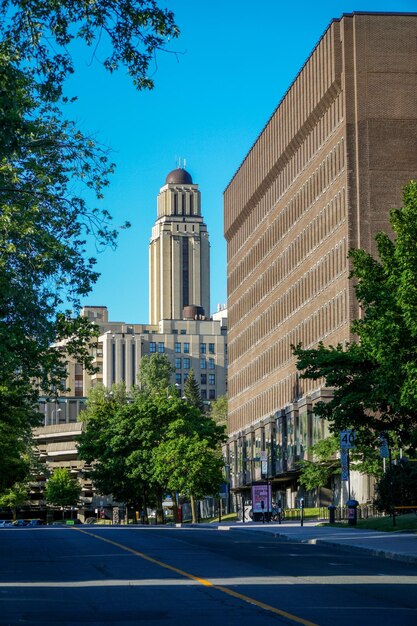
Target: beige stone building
{"type": "Point", "coordinates": [179, 251]}
{"type": "Point", "coordinates": [319, 180]}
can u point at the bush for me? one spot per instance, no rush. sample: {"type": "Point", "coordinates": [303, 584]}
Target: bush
{"type": "Point", "coordinates": [397, 487]}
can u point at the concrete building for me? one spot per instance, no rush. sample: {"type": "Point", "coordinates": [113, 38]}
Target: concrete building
{"type": "Point", "coordinates": [319, 180]}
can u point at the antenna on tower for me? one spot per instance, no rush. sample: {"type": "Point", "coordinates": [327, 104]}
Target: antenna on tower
{"type": "Point", "coordinates": [185, 163]}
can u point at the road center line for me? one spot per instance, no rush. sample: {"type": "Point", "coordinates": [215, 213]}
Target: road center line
{"type": "Point", "coordinates": [203, 581]}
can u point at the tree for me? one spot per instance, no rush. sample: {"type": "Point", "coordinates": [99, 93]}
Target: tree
{"type": "Point", "coordinates": [47, 170]}
{"type": "Point", "coordinates": [155, 373]}
{"type": "Point", "coordinates": [15, 497]}
{"type": "Point", "coordinates": [218, 410]}
{"type": "Point", "coordinates": [42, 31]}
{"type": "Point", "coordinates": [325, 464]}
{"type": "Point", "coordinates": [397, 486]}
{"type": "Point", "coordinates": [192, 391]}
{"type": "Point", "coordinates": [62, 490]}
{"type": "Point", "coordinates": [375, 379]}
{"type": "Point", "coordinates": [127, 440]}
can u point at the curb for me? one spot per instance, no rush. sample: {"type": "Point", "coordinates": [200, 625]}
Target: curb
{"type": "Point", "coordinates": [387, 554]}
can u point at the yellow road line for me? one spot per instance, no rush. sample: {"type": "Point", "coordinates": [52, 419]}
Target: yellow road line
{"type": "Point", "coordinates": [203, 581]}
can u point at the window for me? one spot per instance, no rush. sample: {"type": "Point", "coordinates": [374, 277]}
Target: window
{"type": "Point", "coordinates": [177, 347]}
{"type": "Point", "coordinates": [161, 346]}
{"type": "Point", "coordinates": [203, 394]}
{"type": "Point", "coordinates": [203, 348]}
{"type": "Point", "coordinates": [212, 394]}
{"type": "Point", "coordinates": [177, 364]}
{"type": "Point", "coordinates": [185, 376]}
{"type": "Point", "coordinates": [183, 332]}
{"type": "Point", "coordinates": [186, 347]}
{"type": "Point", "coordinates": [186, 363]}
{"type": "Point", "coordinates": [152, 346]}
{"type": "Point", "coordinates": [203, 379]}
{"type": "Point", "coordinates": [212, 379]}
{"type": "Point", "coordinates": [211, 364]}
{"type": "Point", "coordinates": [203, 364]}
{"type": "Point", "coordinates": [211, 348]}
{"type": "Point", "coordinates": [178, 379]}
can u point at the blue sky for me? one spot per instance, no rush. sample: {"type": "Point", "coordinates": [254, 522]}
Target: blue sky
{"type": "Point", "coordinates": [235, 60]}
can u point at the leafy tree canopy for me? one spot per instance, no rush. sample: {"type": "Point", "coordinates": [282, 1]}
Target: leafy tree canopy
{"type": "Point", "coordinates": [126, 440]}
{"type": "Point", "coordinates": [51, 179]}
{"type": "Point", "coordinates": [375, 379]}
{"type": "Point", "coordinates": [218, 410]}
{"type": "Point", "coordinates": [61, 489]}
{"type": "Point", "coordinates": [155, 373]}
{"type": "Point", "coordinates": [41, 32]}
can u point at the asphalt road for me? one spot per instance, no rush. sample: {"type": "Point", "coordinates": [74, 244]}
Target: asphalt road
{"type": "Point", "coordinates": [203, 577]}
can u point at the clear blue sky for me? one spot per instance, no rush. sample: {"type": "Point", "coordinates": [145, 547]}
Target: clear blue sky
{"type": "Point", "coordinates": [235, 61]}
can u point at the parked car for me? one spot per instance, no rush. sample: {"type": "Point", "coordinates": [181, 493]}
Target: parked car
{"type": "Point", "coordinates": [6, 523]}
{"type": "Point", "coordinates": [36, 522]}
{"type": "Point", "coordinates": [20, 522]}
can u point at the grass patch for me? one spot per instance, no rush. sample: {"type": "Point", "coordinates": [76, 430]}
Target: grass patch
{"type": "Point", "coordinates": [229, 517]}
{"type": "Point", "coordinates": [384, 524]}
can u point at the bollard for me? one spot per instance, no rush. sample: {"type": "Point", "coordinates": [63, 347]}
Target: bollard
{"type": "Point", "coordinates": [332, 511]}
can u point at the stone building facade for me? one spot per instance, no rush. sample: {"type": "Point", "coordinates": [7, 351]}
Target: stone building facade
{"type": "Point", "coordinates": [319, 180]}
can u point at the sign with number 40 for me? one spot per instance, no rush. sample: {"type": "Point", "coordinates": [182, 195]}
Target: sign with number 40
{"type": "Point", "coordinates": [347, 439]}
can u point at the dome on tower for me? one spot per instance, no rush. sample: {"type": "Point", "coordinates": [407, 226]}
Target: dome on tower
{"type": "Point", "coordinates": [179, 177]}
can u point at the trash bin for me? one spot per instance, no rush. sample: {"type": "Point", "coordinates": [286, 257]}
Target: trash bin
{"type": "Point", "coordinates": [352, 512]}
{"type": "Point", "coordinates": [332, 511]}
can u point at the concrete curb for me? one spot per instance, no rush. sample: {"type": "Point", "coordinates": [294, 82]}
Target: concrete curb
{"type": "Point", "coordinates": [387, 554]}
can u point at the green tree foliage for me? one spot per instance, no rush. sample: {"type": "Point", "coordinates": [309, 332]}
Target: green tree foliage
{"type": "Point", "coordinates": [218, 410]}
{"type": "Point", "coordinates": [397, 486]}
{"type": "Point", "coordinates": [61, 489]}
{"type": "Point", "coordinates": [128, 32]}
{"type": "Point", "coordinates": [129, 442]}
{"type": "Point", "coordinates": [375, 380]}
{"type": "Point", "coordinates": [15, 497]}
{"type": "Point", "coordinates": [51, 179]}
{"type": "Point", "coordinates": [155, 373]}
{"type": "Point", "coordinates": [325, 464]}
{"type": "Point", "coordinates": [192, 391]}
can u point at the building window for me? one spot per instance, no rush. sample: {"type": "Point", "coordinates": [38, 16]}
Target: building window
{"type": "Point", "coordinates": [203, 394]}
{"type": "Point", "coordinates": [177, 364]}
{"type": "Point", "coordinates": [186, 363]}
{"type": "Point", "coordinates": [203, 364]}
{"type": "Point", "coordinates": [212, 394]}
{"type": "Point", "coordinates": [152, 346]}
{"type": "Point", "coordinates": [177, 347]}
{"type": "Point", "coordinates": [211, 364]}
{"type": "Point", "coordinates": [212, 379]}
{"type": "Point", "coordinates": [161, 347]}
{"type": "Point", "coordinates": [178, 379]}
{"type": "Point", "coordinates": [186, 347]}
{"type": "Point", "coordinates": [203, 348]}
{"type": "Point", "coordinates": [211, 348]}
{"type": "Point", "coordinates": [183, 332]}
{"type": "Point", "coordinates": [185, 376]}
{"type": "Point", "coordinates": [203, 379]}
{"type": "Point", "coordinates": [78, 388]}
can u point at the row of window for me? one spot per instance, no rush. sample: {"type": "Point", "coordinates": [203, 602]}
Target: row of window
{"type": "Point", "coordinates": [180, 378]}
{"type": "Point", "coordinates": [293, 168]}
{"type": "Point", "coordinates": [180, 347]}
{"type": "Point", "coordinates": [186, 363]}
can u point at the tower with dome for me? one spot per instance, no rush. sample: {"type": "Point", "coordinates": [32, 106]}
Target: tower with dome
{"type": "Point", "coordinates": [179, 251]}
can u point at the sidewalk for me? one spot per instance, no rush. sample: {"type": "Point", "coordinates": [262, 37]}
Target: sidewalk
{"type": "Point", "coordinates": [400, 546]}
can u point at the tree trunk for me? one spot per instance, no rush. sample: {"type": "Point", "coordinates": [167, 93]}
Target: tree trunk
{"type": "Point", "coordinates": [159, 510]}
{"type": "Point", "coordinates": [193, 510]}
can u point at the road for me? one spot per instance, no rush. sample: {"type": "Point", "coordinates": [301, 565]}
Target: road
{"type": "Point", "coordinates": [203, 577]}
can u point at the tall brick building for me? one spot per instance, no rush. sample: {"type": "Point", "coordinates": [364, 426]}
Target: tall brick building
{"type": "Point", "coordinates": [319, 180]}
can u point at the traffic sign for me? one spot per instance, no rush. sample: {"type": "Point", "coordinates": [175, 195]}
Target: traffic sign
{"type": "Point", "coordinates": [344, 462]}
{"type": "Point", "coordinates": [347, 439]}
